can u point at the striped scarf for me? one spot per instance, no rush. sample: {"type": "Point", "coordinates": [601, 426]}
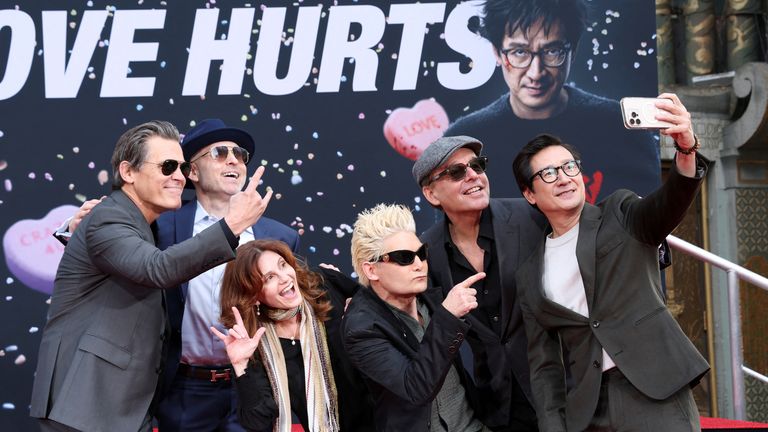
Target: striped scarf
{"type": "Point", "coordinates": [320, 388]}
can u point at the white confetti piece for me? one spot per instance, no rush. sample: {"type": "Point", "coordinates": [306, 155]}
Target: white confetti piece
{"type": "Point", "coordinates": [139, 107]}
{"type": "Point", "coordinates": [383, 173]}
{"type": "Point", "coordinates": [8, 185]}
{"type": "Point", "coordinates": [8, 298]}
{"type": "Point", "coordinates": [315, 135]}
{"type": "Point", "coordinates": [8, 280]}
{"type": "Point", "coordinates": [288, 128]}
{"type": "Point", "coordinates": [8, 406]}
{"type": "Point", "coordinates": [361, 116]}
{"type": "Point", "coordinates": [3, 165]}
{"type": "Point", "coordinates": [20, 360]}
{"type": "Point", "coordinates": [335, 251]}
{"type": "Point", "coordinates": [350, 167]}
{"type": "Point", "coordinates": [339, 176]}
{"type": "Point", "coordinates": [312, 249]}
{"type": "Point", "coordinates": [11, 348]}
{"type": "Point", "coordinates": [327, 229]}
{"type": "Point", "coordinates": [362, 189]}
{"type": "Point", "coordinates": [2, 134]}
{"type": "Point", "coordinates": [296, 179]}
{"type": "Point", "coordinates": [102, 177]}
{"type": "Point", "coordinates": [33, 329]}
{"type": "Point", "coordinates": [31, 175]}
{"type": "Point", "coordinates": [91, 165]}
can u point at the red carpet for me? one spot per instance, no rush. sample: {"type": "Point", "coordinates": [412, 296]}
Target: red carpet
{"type": "Point", "coordinates": [718, 424]}
{"type": "Point", "coordinates": [707, 423]}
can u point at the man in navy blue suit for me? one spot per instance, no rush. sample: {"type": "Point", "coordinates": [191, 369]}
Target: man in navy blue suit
{"type": "Point", "coordinates": [197, 391]}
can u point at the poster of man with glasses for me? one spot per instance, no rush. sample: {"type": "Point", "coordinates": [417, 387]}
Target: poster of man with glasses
{"type": "Point", "coordinates": [535, 44]}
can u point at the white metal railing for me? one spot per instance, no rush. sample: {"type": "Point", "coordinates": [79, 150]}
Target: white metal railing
{"type": "Point", "coordinates": [734, 273]}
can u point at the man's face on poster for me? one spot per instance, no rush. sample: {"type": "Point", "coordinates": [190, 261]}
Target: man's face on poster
{"type": "Point", "coordinates": [536, 89]}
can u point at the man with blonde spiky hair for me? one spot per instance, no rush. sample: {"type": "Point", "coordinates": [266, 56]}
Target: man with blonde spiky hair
{"type": "Point", "coordinates": [402, 339]}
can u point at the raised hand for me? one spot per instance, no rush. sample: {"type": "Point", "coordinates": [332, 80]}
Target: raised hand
{"type": "Point", "coordinates": [675, 113]}
{"type": "Point", "coordinates": [462, 298]}
{"type": "Point", "coordinates": [240, 346]}
{"type": "Point", "coordinates": [247, 206]}
{"type": "Point", "coordinates": [82, 212]}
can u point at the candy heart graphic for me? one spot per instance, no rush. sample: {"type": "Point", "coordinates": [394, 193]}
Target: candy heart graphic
{"type": "Point", "coordinates": [32, 253]}
{"type": "Point", "coordinates": [410, 130]}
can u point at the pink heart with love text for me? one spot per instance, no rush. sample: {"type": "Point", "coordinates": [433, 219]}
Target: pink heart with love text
{"type": "Point", "coordinates": [410, 130]}
{"type": "Point", "coordinates": [32, 253]}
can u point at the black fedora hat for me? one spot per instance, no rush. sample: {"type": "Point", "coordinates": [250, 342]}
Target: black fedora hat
{"type": "Point", "coordinates": [210, 131]}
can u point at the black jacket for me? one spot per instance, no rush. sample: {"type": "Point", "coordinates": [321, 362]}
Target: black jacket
{"type": "Point", "coordinates": [403, 374]}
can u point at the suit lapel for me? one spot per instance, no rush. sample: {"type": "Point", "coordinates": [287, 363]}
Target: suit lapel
{"type": "Point", "coordinates": [506, 240]}
{"type": "Point", "coordinates": [531, 272]}
{"type": "Point", "coordinates": [586, 247]}
{"type": "Point", "coordinates": [184, 221]}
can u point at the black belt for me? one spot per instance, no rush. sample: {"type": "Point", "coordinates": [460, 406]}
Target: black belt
{"type": "Point", "coordinates": [208, 374]}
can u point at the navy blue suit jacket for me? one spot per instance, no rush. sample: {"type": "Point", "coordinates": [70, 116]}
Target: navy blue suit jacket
{"type": "Point", "coordinates": [175, 227]}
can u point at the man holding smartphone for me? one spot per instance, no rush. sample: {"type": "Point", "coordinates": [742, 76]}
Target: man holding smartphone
{"type": "Point", "coordinates": [591, 288]}
{"type": "Point", "coordinates": [534, 41]}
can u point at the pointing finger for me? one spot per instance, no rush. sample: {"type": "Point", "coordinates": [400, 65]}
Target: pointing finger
{"type": "Point", "coordinates": [255, 179]}
{"type": "Point", "coordinates": [472, 279]}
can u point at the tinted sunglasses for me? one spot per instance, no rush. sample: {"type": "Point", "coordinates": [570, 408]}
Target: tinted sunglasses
{"type": "Point", "coordinates": [457, 172]}
{"type": "Point", "coordinates": [168, 167]}
{"type": "Point", "coordinates": [404, 257]}
{"type": "Point", "coordinates": [221, 153]}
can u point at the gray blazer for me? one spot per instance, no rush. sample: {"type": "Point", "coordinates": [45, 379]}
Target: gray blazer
{"type": "Point", "coordinates": [101, 348]}
{"type": "Point", "coordinates": [617, 252]}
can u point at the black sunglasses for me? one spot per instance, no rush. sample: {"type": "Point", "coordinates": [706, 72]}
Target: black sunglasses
{"type": "Point", "coordinates": [168, 167]}
{"type": "Point", "coordinates": [457, 172]}
{"type": "Point", "coordinates": [221, 153]}
{"type": "Point", "coordinates": [404, 257]}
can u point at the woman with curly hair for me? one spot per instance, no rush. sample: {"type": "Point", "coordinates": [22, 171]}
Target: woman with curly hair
{"type": "Point", "coordinates": [271, 302]}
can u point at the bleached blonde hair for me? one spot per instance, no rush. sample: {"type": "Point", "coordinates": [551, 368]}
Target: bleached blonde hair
{"type": "Point", "coordinates": [372, 227]}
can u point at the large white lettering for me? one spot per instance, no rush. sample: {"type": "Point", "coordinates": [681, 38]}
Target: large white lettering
{"type": "Point", "coordinates": [415, 18]}
{"type": "Point", "coordinates": [123, 50]}
{"type": "Point", "coordinates": [462, 40]}
{"type": "Point", "coordinates": [62, 78]}
{"type": "Point", "coordinates": [282, 61]}
{"type": "Point", "coordinates": [204, 48]}
{"type": "Point", "coordinates": [337, 47]}
{"type": "Point", "coordinates": [302, 50]}
{"type": "Point", "coordinates": [20, 53]}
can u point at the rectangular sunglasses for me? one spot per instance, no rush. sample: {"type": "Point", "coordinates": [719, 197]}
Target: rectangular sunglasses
{"type": "Point", "coordinates": [404, 257]}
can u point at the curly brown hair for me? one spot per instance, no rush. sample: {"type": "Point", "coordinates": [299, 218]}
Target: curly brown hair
{"type": "Point", "coordinates": [242, 284]}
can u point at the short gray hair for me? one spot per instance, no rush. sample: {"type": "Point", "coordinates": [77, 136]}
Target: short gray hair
{"type": "Point", "coordinates": [131, 146]}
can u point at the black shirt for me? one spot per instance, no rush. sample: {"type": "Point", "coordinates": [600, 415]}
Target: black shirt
{"type": "Point", "coordinates": [488, 289]}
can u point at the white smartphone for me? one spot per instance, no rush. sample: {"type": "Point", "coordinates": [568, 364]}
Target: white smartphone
{"type": "Point", "coordinates": [640, 113]}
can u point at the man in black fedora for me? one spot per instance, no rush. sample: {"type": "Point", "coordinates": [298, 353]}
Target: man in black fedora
{"type": "Point", "coordinates": [197, 390]}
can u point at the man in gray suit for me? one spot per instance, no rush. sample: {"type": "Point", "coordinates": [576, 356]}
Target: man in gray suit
{"type": "Point", "coordinates": [101, 349]}
{"type": "Point", "coordinates": [592, 289]}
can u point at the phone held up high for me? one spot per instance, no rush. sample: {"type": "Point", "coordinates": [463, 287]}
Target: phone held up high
{"type": "Point", "coordinates": [640, 113]}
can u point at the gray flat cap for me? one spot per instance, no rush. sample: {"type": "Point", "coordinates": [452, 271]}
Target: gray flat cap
{"type": "Point", "coordinates": [439, 151]}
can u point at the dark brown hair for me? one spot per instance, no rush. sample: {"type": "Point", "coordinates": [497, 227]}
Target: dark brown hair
{"type": "Point", "coordinates": [242, 284]}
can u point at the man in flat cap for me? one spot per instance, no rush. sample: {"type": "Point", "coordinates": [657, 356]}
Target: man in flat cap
{"type": "Point", "coordinates": [480, 234]}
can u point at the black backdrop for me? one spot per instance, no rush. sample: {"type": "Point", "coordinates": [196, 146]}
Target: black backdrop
{"type": "Point", "coordinates": [325, 152]}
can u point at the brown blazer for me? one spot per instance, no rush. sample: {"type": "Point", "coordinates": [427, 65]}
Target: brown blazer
{"type": "Point", "coordinates": [617, 252]}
